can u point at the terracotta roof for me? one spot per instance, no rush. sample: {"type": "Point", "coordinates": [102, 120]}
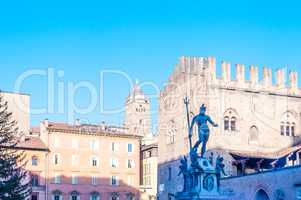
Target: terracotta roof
{"type": "Point", "coordinates": [32, 143]}
{"type": "Point", "coordinates": [35, 129]}
{"type": "Point", "coordinates": [90, 129]}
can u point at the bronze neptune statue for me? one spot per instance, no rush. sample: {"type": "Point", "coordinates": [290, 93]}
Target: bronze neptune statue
{"type": "Point", "coordinates": [201, 120]}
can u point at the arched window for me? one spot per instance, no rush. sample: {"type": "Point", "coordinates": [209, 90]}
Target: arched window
{"type": "Point", "coordinates": [34, 161]}
{"type": "Point", "coordinates": [130, 196]}
{"type": "Point", "coordinates": [261, 195]}
{"type": "Point", "coordinates": [226, 123]}
{"type": "Point", "coordinates": [94, 196]}
{"type": "Point", "coordinates": [253, 134]}
{"type": "Point", "coordinates": [288, 124]}
{"type": "Point", "coordinates": [74, 195]}
{"type": "Point", "coordinates": [233, 123]}
{"type": "Point", "coordinates": [230, 120]}
{"type": "Point", "coordinates": [57, 195]}
{"type": "Point", "coordinates": [287, 129]}
{"type": "Point", "coordinates": [114, 196]}
{"type": "Point", "coordinates": [172, 131]}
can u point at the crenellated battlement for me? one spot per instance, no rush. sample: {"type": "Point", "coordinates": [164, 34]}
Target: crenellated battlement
{"type": "Point", "coordinates": [206, 66]}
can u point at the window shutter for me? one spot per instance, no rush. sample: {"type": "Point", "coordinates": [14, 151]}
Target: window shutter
{"type": "Point", "coordinates": [117, 146]}
{"type": "Point", "coordinates": [117, 180]}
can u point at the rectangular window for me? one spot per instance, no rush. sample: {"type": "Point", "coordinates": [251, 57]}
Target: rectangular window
{"type": "Point", "coordinates": [94, 145]}
{"type": "Point", "coordinates": [34, 180]}
{"type": "Point", "coordinates": [56, 159]}
{"type": "Point", "coordinates": [94, 180]}
{"type": "Point", "coordinates": [130, 148]}
{"type": "Point", "coordinates": [114, 180]}
{"type": "Point", "coordinates": [57, 178]}
{"type": "Point", "coordinates": [114, 163]}
{"type": "Point", "coordinates": [34, 161]}
{"type": "Point", "coordinates": [34, 196]}
{"type": "Point", "coordinates": [114, 146]}
{"type": "Point", "coordinates": [94, 161]}
{"type": "Point", "coordinates": [74, 197]}
{"type": "Point", "coordinates": [74, 180]}
{"type": "Point", "coordinates": [130, 164]}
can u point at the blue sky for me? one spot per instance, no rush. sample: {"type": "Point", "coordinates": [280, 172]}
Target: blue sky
{"type": "Point", "coordinates": [141, 38]}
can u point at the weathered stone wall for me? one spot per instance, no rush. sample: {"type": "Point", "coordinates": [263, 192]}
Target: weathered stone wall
{"type": "Point", "coordinates": [273, 183]}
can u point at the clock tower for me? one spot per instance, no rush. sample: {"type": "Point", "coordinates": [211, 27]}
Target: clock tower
{"type": "Point", "coordinates": [137, 112]}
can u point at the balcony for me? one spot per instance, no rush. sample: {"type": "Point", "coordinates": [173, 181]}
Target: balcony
{"type": "Point", "coordinates": [38, 188]}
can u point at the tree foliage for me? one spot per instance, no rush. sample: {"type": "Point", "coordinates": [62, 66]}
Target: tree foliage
{"type": "Point", "coordinates": [13, 177]}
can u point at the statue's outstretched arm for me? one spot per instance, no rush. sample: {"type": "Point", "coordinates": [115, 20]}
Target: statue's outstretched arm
{"type": "Point", "coordinates": [212, 122]}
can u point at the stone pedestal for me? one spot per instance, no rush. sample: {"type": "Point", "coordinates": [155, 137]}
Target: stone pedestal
{"type": "Point", "coordinates": [203, 183]}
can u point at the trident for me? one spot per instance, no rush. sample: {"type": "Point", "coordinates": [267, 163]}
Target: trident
{"type": "Point", "coordinates": [186, 102]}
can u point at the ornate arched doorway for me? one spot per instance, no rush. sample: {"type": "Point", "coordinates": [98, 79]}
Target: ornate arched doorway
{"type": "Point", "coordinates": [261, 195]}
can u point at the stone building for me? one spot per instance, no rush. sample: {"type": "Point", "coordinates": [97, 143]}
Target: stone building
{"type": "Point", "coordinates": [85, 161]}
{"type": "Point", "coordinates": [36, 154]}
{"type": "Point", "coordinates": [149, 168]}
{"type": "Point", "coordinates": [137, 112]}
{"type": "Point", "coordinates": [257, 117]}
{"type": "Point", "coordinates": [19, 106]}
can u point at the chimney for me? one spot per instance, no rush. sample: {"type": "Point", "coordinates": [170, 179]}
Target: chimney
{"type": "Point", "coordinates": [46, 123]}
{"type": "Point", "coordinates": [103, 125]}
{"type": "Point", "coordinates": [240, 73]}
{"type": "Point", "coordinates": [267, 76]}
{"type": "Point", "coordinates": [253, 74]}
{"type": "Point", "coordinates": [280, 78]}
{"type": "Point", "coordinates": [77, 122]}
{"type": "Point", "coordinates": [212, 67]}
{"type": "Point", "coordinates": [226, 71]}
{"type": "Point", "coordinates": [293, 80]}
